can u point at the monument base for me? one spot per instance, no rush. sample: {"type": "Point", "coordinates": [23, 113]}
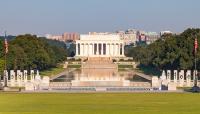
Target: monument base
{"type": "Point", "coordinates": [6, 89]}
{"type": "Point", "coordinates": [195, 89]}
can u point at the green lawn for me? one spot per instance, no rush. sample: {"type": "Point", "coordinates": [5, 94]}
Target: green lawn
{"type": "Point", "coordinates": [125, 66]}
{"type": "Point", "coordinates": [52, 71]}
{"type": "Point", "coordinates": [100, 103]}
{"type": "Point", "coordinates": [74, 66]}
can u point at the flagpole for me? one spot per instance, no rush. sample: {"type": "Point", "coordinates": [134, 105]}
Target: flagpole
{"type": "Point", "coordinates": [195, 87]}
{"type": "Point", "coordinates": [5, 75]}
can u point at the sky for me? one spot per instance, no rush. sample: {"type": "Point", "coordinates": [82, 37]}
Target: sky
{"type": "Point", "coordinates": [42, 17]}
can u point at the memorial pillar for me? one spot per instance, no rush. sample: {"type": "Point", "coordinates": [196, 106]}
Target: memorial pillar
{"type": "Point", "coordinates": [25, 76]}
{"type": "Point", "coordinates": [175, 76]}
{"type": "Point", "coordinates": [12, 78]}
{"type": "Point", "coordinates": [188, 78]}
{"type": "Point", "coordinates": [32, 76]}
{"type": "Point", "coordinates": [168, 76]}
{"type": "Point", "coordinates": [194, 72]}
{"type": "Point", "coordinates": [181, 78]}
{"type": "Point", "coordinates": [19, 78]}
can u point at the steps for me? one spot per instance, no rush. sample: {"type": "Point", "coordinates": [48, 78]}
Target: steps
{"type": "Point", "coordinates": [99, 63]}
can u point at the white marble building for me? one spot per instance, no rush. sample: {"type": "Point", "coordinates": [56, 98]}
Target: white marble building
{"type": "Point", "coordinates": [100, 46]}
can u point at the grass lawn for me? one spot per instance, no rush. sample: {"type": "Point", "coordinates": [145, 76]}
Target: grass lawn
{"type": "Point", "coordinates": [74, 66]}
{"type": "Point", "coordinates": [99, 103]}
{"type": "Point", "coordinates": [125, 66]}
{"type": "Point", "coordinates": [52, 71]}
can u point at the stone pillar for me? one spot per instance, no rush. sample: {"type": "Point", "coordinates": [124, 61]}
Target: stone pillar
{"type": "Point", "coordinates": [175, 76]}
{"type": "Point", "coordinates": [25, 76]}
{"type": "Point", "coordinates": [188, 78]}
{"type": "Point", "coordinates": [32, 75]}
{"type": "Point", "coordinates": [181, 78]}
{"type": "Point", "coordinates": [168, 76]}
{"type": "Point", "coordinates": [5, 76]}
{"type": "Point", "coordinates": [12, 78]}
{"type": "Point", "coordinates": [19, 78]}
{"type": "Point", "coordinates": [194, 72]}
{"type": "Point", "coordinates": [155, 82]}
{"type": "Point", "coordinates": [163, 76]}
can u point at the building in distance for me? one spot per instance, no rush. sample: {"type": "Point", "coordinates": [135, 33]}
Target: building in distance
{"type": "Point", "coordinates": [65, 37]}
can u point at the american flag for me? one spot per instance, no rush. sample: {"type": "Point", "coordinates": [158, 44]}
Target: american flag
{"type": "Point", "coordinates": [195, 45]}
{"type": "Point", "coordinates": [6, 45]}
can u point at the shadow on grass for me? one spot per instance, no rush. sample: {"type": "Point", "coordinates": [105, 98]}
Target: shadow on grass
{"type": "Point", "coordinates": [149, 70]}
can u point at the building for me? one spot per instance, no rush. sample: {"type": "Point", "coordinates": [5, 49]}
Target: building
{"type": "Point", "coordinates": [66, 37]}
{"type": "Point", "coordinates": [99, 46]}
{"type": "Point", "coordinates": [54, 37]}
{"type": "Point", "coordinates": [129, 37]}
{"type": "Point", "coordinates": [165, 32]}
{"type": "Point", "coordinates": [151, 37]}
{"type": "Point", "coordinates": [70, 36]}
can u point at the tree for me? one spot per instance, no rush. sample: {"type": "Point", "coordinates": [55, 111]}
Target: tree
{"type": "Point", "coordinates": [169, 52]}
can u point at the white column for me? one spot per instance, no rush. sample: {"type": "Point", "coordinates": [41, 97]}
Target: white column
{"type": "Point", "coordinates": [76, 49]}
{"type": "Point", "coordinates": [111, 50]}
{"type": "Point", "coordinates": [101, 48]}
{"type": "Point", "coordinates": [97, 49]}
{"type": "Point", "coordinates": [119, 49]}
{"type": "Point", "coordinates": [116, 50]}
{"type": "Point", "coordinates": [85, 49]}
{"type": "Point", "coordinates": [123, 49]}
{"type": "Point", "coordinates": [106, 49]}
{"type": "Point", "coordinates": [81, 49]}
{"type": "Point", "coordinates": [92, 49]}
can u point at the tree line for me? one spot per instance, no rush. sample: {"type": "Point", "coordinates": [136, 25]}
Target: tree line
{"type": "Point", "coordinates": [169, 52]}
{"type": "Point", "coordinates": [31, 52]}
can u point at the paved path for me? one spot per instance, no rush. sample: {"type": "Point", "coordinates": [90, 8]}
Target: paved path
{"type": "Point", "coordinates": [148, 77]}
{"type": "Point", "coordinates": [62, 73]}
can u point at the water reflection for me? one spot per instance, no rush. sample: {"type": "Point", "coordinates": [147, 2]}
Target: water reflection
{"type": "Point", "coordinates": [100, 77]}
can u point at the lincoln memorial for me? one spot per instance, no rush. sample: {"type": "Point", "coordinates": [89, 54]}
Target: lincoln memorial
{"type": "Point", "coordinates": [99, 46]}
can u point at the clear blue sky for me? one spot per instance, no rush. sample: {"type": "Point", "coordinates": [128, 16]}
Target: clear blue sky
{"type": "Point", "coordinates": [58, 16]}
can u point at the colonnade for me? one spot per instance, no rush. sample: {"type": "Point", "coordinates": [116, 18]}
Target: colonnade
{"type": "Point", "coordinates": [100, 49]}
